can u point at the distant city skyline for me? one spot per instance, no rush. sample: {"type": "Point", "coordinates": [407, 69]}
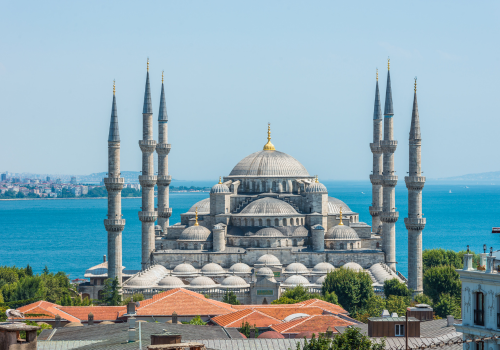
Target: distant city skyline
{"type": "Point", "coordinates": [230, 68]}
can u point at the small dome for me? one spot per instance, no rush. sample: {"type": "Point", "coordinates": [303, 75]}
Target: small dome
{"type": "Point", "coordinates": [234, 281]}
{"type": "Point", "coordinates": [296, 280]}
{"type": "Point", "coordinates": [341, 232]}
{"type": "Point", "coordinates": [269, 232]}
{"type": "Point", "coordinates": [296, 268]}
{"type": "Point", "coordinates": [321, 280]}
{"type": "Point", "coordinates": [202, 281]}
{"type": "Point", "coordinates": [268, 259]}
{"type": "Point", "coordinates": [353, 266]}
{"type": "Point", "coordinates": [300, 231]}
{"type": "Point", "coordinates": [184, 269]}
{"type": "Point", "coordinates": [203, 207]}
{"type": "Point", "coordinates": [334, 205]}
{"type": "Point", "coordinates": [171, 282]}
{"type": "Point", "coordinates": [271, 335]}
{"type": "Point", "coordinates": [265, 271]}
{"type": "Point", "coordinates": [316, 187]}
{"type": "Point", "coordinates": [323, 267]}
{"type": "Point", "coordinates": [220, 188]}
{"type": "Point", "coordinates": [240, 268]}
{"type": "Point", "coordinates": [212, 269]}
{"type": "Point", "coordinates": [269, 206]}
{"type": "Point", "coordinates": [195, 233]}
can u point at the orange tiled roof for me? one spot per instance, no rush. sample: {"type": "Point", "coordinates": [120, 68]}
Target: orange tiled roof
{"type": "Point", "coordinates": [333, 308]}
{"type": "Point", "coordinates": [252, 316]}
{"type": "Point", "coordinates": [101, 313]}
{"type": "Point", "coordinates": [184, 302]}
{"type": "Point", "coordinates": [317, 323]}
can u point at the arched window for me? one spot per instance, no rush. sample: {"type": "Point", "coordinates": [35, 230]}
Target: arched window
{"type": "Point", "coordinates": [479, 309]}
{"type": "Point", "coordinates": [284, 222]}
{"type": "Point", "coordinates": [260, 222]}
{"type": "Point", "coordinates": [294, 242]}
{"type": "Point", "coordinates": [341, 245]}
{"type": "Point", "coordinates": [268, 243]}
{"type": "Point", "coordinates": [268, 222]}
{"type": "Point", "coordinates": [276, 222]}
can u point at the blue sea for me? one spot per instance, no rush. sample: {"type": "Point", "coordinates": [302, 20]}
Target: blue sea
{"type": "Point", "coordinates": [68, 235]}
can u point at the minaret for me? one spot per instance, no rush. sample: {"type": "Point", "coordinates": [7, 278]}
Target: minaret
{"type": "Point", "coordinates": [415, 223]}
{"type": "Point", "coordinates": [147, 180]}
{"type": "Point", "coordinates": [163, 149]}
{"type": "Point", "coordinates": [114, 224]}
{"type": "Point", "coordinates": [389, 215]}
{"type": "Point", "coordinates": [376, 176]}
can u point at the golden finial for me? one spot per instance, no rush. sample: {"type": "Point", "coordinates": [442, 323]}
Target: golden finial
{"type": "Point", "coordinates": [341, 223]}
{"type": "Point", "coordinates": [196, 217]}
{"type": "Point", "coordinates": [388, 63]}
{"type": "Point", "coordinates": [114, 89]}
{"type": "Point", "coordinates": [220, 180]}
{"type": "Point", "coordinates": [377, 74]}
{"type": "Point", "coordinates": [148, 64]}
{"type": "Point", "coordinates": [415, 84]}
{"type": "Point", "coordinates": [162, 76]}
{"type": "Point", "coordinates": [269, 146]}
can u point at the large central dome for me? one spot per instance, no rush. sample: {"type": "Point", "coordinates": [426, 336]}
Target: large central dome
{"type": "Point", "coordinates": [269, 163]}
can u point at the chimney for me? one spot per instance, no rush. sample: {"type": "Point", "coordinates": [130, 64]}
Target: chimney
{"type": "Point", "coordinates": [131, 308]}
{"type": "Point", "coordinates": [174, 317]}
{"type": "Point", "coordinates": [252, 332]}
{"type": "Point", "coordinates": [450, 321]}
{"type": "Point", "coordinates": [58, 322]}
{"type": "Point", "coordinates": [104, 258]}
{"type": "Point", "coordinates": [91, 319]}
{"type": "Point", "coordinates": [131, 330]}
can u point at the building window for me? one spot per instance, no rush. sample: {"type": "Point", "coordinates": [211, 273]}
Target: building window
{"type": "Point", "coordinates": [400, 330]}
{"type": "Point", "coordinates": [479, 311]}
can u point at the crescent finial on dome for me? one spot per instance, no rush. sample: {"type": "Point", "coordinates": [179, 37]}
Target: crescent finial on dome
{"type": "Point", "coordinates": [269, 146]}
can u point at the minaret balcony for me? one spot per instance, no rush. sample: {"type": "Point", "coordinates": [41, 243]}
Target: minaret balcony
{"type": "Point", "coordinates": [389, 146]}
{"type": "Point", "coordinates": [165, 213]}
{"type": "Point", "coordinates": [148, 216]}
{"type": "Point", "coordinates": [391, 216]}
{"type": "Point", "coordinates": [147, 180]}
{"type": "Point", "coordinates": [147, 146]}
{"type": "Point", "coordinates": [415, 224]}
{"type": "Point", "coordinates": [415, 182]}
{"type": "Point", "coordinates": [375, 147]}
{"type": "Point", "coordinates": [163, 149]}
{"type": "Point", "coordinates": [374, 210]}
{"type": "Point", "coordinates": [164, 180]}
{"type": "Point", "coordinates": [114, 183]}
{"type": "Point", "coordinates": [376, 179]}
{"type": "Point", "coordinates": [114, 225]}
{"type": "Point", "coordinates": [389, 180]}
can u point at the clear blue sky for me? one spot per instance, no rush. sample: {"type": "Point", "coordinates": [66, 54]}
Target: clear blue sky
{"type": "Point", "coordinates": [231, 66]}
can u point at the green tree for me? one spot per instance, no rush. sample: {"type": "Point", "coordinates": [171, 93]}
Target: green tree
{"type": "Point", "coordinates": [448, 305]}
{"type": "Point", "coordinates": [353, 289]}
{"type": "Point", "coordinates": [230, 298]}
{"type": "Point", "coordinates": [197, 321]}
{"type": "Point", "coordinates": [111, 292]}
{"type": "Point", "coordinates": [397, 288]}
{"type": "Point", "coordinates": [442, 279]}
{"type": "Point", "coordinates": [245, 329]}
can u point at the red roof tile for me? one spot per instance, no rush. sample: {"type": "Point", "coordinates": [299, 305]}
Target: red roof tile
{"type": "Point", "coordinates": [184, 302]}
{"type": "Point", "coordinates": [253, 317]}
{"type": "Point", "coordinates": [316, 323]}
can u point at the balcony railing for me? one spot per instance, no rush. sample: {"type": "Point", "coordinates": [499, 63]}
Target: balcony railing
{"type": "Point", "coordinates": [479, 317]}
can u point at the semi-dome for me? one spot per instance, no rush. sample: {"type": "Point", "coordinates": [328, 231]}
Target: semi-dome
{"type": "Point", "coordinates": [240, 268]}
{"type": "Point", "coordinates": [300, 231]}
{"type": "Point", "coordinates": [334, 205]}
{"type": "Point", "coordinates": [184, 269]}
{"type": "Point", "coordinates": [203, 207]}
{"type": "Point", "coordinates": [353, 266]}
{"type": "Point", "coordinates": [234, 282]}
{"type": "Point", "coordinates": [321, 280]}
{"type": "Point", "coordinates": [269, 206]}
{"type": "Point", "coordinates": [341, 232]}
{"type": "Point", "coordinates": [296, 280]}
{"type": "Point", "coordinates": [269, 163]}
{"type": "Point", "coordinates": [171, 282]}
{"type": "Point", "coordinates": [268, 259]}
{"type": "Point", "coordinates": [195, 233]}
{"type": "Point", "coordinates": [212, 269]}
{"type": "Point", "coordinates": [265, 271]}
{"type": "Point", "coordinates": [323, 267]}
{"type": "Point", "coordinates": [219, 188]}
{"type": "Point", "coordinates": [296, 268]}
{"type": "Point", "coordinates": [201, 282]}
{"type": "Point", "coordinates": [269, 232]}
{"type": "Point", "coordinates": [316, 187]}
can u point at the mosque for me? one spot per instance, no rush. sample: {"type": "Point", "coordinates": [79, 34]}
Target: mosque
{"type": "Point", "coordinates": [267, 226]}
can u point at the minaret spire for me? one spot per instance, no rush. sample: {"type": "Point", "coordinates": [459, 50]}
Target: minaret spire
{"type": "Point", "coordinates": [114, 224]}
{"type": "Point", "coordinates": [163, 149]}
{"type": "Point", "coordinates": [148, 179]}
{"type": "Point", "coordinates": [376, 176]}
{"type": "Point", "coordinates": [415, 223]}
{"type": "Point", "coordinates": [389, 215]}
